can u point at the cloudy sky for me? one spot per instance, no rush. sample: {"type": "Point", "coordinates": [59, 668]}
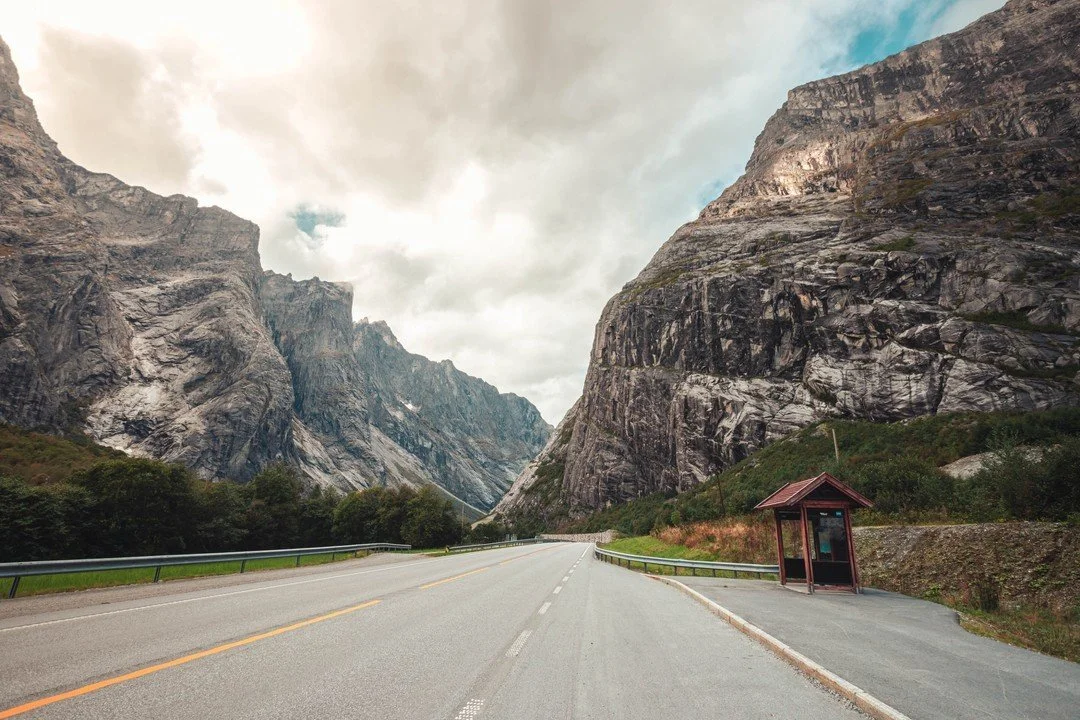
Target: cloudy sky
{"type": "Point", "coordinates": [486, 173]}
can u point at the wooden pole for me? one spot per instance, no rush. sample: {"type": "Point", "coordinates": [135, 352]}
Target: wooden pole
{"type": "Point", "coordinates": [806, 550]}
{"type": "Point", "coordinates": [835, 446]}
{"type": "Point", "coordinates": [780, 547]}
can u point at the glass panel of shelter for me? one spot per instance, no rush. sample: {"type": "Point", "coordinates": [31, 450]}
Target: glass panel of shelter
{"type": "Point", "coordinates": [830, 554]}
{"type": "Point", "coordinates": [791, 526]}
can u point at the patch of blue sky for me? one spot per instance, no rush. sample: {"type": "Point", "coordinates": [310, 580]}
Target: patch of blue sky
{"type": "Point", "coordinates": [914, 24]}
{"type": "Point", "coordinates": [917, 21]}
{"type": "Point", "coordinates": [308, 217]}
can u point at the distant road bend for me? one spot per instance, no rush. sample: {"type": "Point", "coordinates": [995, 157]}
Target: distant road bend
{"type": "Point", "coordinates": [523, 632]}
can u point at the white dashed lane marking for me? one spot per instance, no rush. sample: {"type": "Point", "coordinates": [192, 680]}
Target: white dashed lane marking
{"type": "Point", "coordinates": [558, 590]}
{"type": "Point", "coordinates": [543, 608]}
{"type": "Point", "coordinates": [519, 643]}
{"type": "Point", "coordinates": [565, 578]}
{"type": "Point", "coordinates": [470, 710]}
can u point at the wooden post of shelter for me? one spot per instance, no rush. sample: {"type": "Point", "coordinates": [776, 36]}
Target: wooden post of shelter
{"type": "Point", "coordinates": [780, 547]}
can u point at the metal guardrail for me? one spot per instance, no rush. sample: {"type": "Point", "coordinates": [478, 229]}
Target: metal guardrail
{"type": "Point", "coordinates": [20, 570]}
{"type": "Point", "coordinates": [489, 546]}
{"type": "Point", "coordinates": [619, 558]}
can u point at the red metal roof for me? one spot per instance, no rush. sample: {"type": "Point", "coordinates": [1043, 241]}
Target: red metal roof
{"type": "Point", "coordinates": [793, 493]}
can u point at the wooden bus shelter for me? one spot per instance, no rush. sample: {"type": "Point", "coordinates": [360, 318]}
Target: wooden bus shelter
{"type": "Point", "coordinates": [820, 507]}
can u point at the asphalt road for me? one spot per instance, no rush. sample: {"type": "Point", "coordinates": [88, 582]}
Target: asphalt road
{"type": "Point", "coordinates": [529, 632]}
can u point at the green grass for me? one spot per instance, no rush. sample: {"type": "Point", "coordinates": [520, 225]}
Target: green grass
{"type": "Point", "coordinates": [64, 582]}
{"type": "Point", "coordinates": [1037, 630]}
{"type": "Point", "coordinates": [668, 276]}
{"type": "Point", "coordinates": [649, 545]}
{"type": "Point", "coordinates": [1049, 206]}
{"type": "Point", "coordinates": [906, 244]}
{"type": "Point", "coordinates": [42, 459]}
{"type": "Point", "coordinates": [655, 547]}
{"type": "Point", "coordinates": [1016, 320]}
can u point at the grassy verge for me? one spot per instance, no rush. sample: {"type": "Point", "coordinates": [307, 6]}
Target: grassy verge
{"type": "Point", "coordinates": [655, 547]}
{"type": "Point", "coordinates": [1037, 630]}
{"type": "Point", "coordinates": [64, 582]}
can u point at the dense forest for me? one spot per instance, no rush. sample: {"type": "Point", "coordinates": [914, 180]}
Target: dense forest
{"type": "Point", "coordinates": [110, 505]}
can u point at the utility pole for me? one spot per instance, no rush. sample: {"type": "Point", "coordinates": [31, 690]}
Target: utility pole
{"type": "Point", "coordinates": [835, 446]}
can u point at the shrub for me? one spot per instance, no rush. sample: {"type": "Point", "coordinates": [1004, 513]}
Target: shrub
{"type": "Point", "coordinates": [1026, 484]}
{"type": "Point", "coordinates": [902, 484]}
{"type": "Point", "coordinates": [40, 523]}
{"type": "Point", "coordinates": [487, 532]}
{"type": "Point", "coordinates": [430, 521]}
{"type": "Point", "coordinates": [362, 517]}
{"type": "Point", "coordinates": [273, 517]}
{"type": "Point", "coordinates": [138, 506]}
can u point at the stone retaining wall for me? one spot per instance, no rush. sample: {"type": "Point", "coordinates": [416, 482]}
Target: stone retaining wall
{"type": "Point", "coordinates": [599, 538]}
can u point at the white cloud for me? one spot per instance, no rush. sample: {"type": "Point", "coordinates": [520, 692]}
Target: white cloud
{"type": "Point", "coordinates": [495, 169]}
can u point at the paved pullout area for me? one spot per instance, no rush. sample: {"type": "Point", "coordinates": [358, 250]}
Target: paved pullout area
{"type": "Point", "coordinates": [909, 653]}
{"type": "Point", "coordinates": [529, 632]}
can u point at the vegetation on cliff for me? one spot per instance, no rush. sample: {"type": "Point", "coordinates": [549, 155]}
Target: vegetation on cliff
{"type": "Point", "coordinates": [895, 464]}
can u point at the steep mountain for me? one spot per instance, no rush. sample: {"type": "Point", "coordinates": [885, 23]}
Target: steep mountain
{"type": "Point", "coordinates": [905, 241]}
{"type": "Point", "coordinates": [148, 322]}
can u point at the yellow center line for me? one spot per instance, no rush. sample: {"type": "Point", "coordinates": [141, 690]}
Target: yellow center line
{"type": "Point", "coordinates": [473, 572]}
{"type": "Point", "coordinates": [449, 579]}
{"type": "Point", "coordinates": [519, 557]}
{"type": "Point", "coordinates": [86, 689]}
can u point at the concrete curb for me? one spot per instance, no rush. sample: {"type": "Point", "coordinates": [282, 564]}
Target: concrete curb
{"type": "Point", "coordinates": [859, 697]}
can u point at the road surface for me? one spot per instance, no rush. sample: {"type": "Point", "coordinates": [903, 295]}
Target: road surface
{"type": "Point", "coordinates": [923, 663]}
{"type": "Point", "coordinates": [540, 631]}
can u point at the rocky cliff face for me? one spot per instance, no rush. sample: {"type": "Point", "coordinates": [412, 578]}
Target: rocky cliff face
{"type": "Point", "coordinates": [905, 240]}
{"type": "Point", "coordinates": [149, 322]}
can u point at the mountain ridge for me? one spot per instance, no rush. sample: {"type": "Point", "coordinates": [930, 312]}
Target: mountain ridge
{"type": "Point", "coordinates": [903, 242]}
{"type": "Point", "coordinates": [149, 323]}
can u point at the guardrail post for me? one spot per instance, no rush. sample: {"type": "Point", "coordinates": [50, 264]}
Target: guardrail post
{"type": "Point", "coordinates": [297, 561]}
{"type": "Point", "coordinates": [243, 565]}
{"type": "Point", "coordinates": [157, 574]}
{"type": "Point", "coordinates": [14, 587]}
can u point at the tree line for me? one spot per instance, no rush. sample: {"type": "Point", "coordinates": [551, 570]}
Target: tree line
{"type": "Point", "coordinates": [135, 506]}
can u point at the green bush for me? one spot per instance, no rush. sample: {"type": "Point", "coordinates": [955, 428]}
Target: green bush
{"type": "Point", "coordinates": [137, 507]}
{"type": "Point", "coordinates": [902, 485]}
{"type": "Point", "coordinates": [430, 520]}
{"type": "Point", "coordinates": [1020, 483]}
{"type": "Point", "coordinates": [40, 523]}
{"type": "Point", "coordinates": [487, 533]}
{"type": "Point", "coordinates": [372, 515]}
